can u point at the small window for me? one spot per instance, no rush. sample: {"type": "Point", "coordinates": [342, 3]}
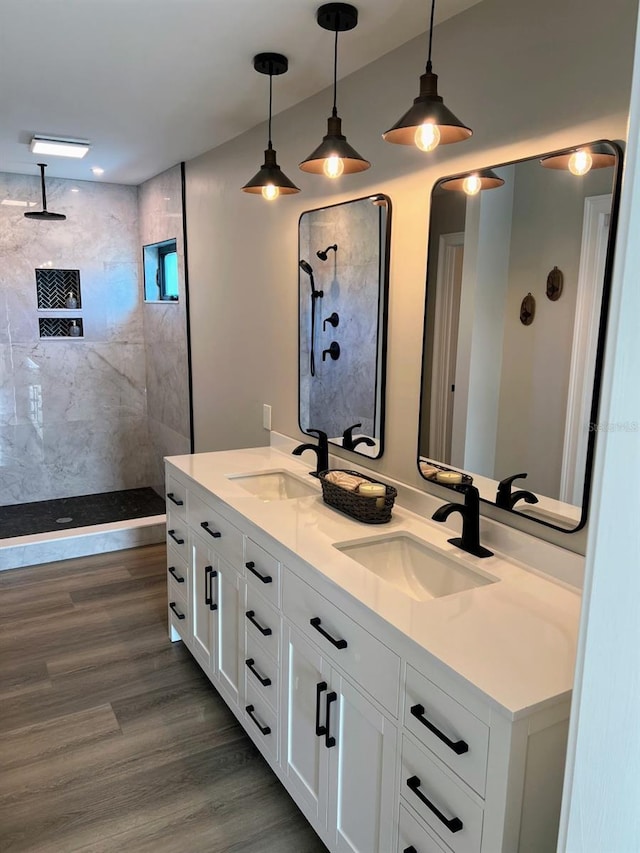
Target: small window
{"type": "Point", "coordinates": [161, 272]}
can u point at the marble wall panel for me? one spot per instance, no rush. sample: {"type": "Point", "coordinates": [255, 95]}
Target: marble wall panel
{"type": "Point", "coordinates": [163, 442]}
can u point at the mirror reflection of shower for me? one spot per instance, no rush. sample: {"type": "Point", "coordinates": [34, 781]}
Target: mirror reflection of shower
{"type": "Point", "coordinates": [316, 294]}
{"type": "Point", "coordinates": [323, 254]}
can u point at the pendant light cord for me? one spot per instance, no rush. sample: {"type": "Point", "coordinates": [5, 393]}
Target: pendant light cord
{"type": "Point", "coordinates": [433, 8]}
{"type": "Point", "coordinates": [335, 75]}
{"type": "Point", "coordinates": [270, 145]}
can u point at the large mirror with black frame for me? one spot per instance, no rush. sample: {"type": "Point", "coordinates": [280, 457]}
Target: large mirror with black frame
{"type": "Point", "coordinates": [518, 275]}
{"type": "Point", "coordinates": [343, 265]}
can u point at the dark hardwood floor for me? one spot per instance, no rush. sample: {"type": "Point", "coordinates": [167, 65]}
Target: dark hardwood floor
{"type": "Point", "coordinates": [111, 737]}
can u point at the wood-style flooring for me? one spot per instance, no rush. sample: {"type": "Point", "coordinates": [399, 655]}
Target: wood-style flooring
{"type": "Point", "coordinates": [111, 737]}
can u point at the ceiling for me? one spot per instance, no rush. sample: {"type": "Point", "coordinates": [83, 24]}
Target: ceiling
{"type": "Point", "coordinates": [154, 82]}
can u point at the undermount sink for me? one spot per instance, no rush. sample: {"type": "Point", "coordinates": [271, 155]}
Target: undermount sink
{"type": "Point", "coordinates": [413, 567]}
{"type": "Point", "coordinates": [275, 485]}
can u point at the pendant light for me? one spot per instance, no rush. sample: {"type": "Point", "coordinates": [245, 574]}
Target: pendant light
{"type": "Point", "coordinates": [334, 156]}
{"type": "Point", "coordinates": [428, 122]}
{"type": "Point", "coordinates": [270, 180]}
{"type": "Point", "coordinates": [579, 161]}
{"type": "Point", "coordinates": [44, 215]}
{"type": "Point", "coordinates": [473, 183]}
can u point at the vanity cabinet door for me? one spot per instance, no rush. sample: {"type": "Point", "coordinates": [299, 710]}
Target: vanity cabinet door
{"type": "Point", "coordinates": [228, 597]}
{"type": "Point", "coordinates": [204, 598]}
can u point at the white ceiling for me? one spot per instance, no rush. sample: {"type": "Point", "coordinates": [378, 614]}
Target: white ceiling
{"type": "Point", "coordinates": [154, 82]}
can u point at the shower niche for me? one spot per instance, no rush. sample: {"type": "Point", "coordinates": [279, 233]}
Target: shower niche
{"type": "Point", "coordinates": [343, 269]}
{"type": "Point", "coordinates": [59, 295]}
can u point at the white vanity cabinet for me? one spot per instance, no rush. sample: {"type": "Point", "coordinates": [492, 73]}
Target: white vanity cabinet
{"type": "Point", "coordinates": [384, 748]}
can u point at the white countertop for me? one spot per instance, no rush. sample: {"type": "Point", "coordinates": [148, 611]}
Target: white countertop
{"type": "Point", "coordinates": [514, 640]}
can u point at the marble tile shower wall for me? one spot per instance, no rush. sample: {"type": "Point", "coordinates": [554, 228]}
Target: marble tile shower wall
{"type": "Point", "coordinates": [73, 413]}
{"type": "Point", "coordinates": [165, 329]}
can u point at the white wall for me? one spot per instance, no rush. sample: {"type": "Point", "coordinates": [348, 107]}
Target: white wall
{"type": "Point", "coordinates": [520, 73]}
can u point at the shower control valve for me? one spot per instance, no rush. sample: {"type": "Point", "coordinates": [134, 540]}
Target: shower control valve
{"type": "Point", "coordinates": [333, 351]}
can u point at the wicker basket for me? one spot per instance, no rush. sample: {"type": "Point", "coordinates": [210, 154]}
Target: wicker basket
{"type": "Point", "coordinates": [361, 507]}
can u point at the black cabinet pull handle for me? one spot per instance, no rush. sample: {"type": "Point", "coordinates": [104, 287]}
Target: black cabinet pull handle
{"type": "Point", "coordinates": [250, 614]}
{"type": "Point", "coordinates": [173, 573]}
{"type": "Point", "coordinates": [410, 849]}
{"type": "Point", "coordinates": [172, 605]}
{"type": "Point", "coordinates": [316, 623]}
{"type": "Point", "coordinates": [172, 534]}
{"type": "Point", "coordinates": [329, 740]}
{"type": "Point", "coordinates": [321, 686]}
{"type": "Point", "coordinates": [175, 500]}
{"type": "Point", "coordinates": [207, 593]}
{"type": "Point", "coordinates": [263, 679]}
{"type": "Point", "coordinates": [264, 730]}
{"type": "Point", "coordinates": [453, 824]}
{"type": "Point", "coordinates": [215, 533]}
{"type": "Point", "coordinates": [252, 568]}
{"type": "Point", "coordinates": [458, 746]}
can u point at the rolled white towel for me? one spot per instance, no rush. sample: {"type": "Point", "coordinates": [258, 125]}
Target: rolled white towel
{"type": "Point", "coordinates": [347, 481]}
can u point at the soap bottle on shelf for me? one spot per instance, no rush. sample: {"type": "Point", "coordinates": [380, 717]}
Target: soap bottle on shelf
{"type": "Point", "coordinates": [74, 329]}
{"type": "Point", "coordinates": [71, 301]}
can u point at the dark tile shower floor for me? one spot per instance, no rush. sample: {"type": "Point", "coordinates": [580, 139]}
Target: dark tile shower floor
{"type": "Point", "coordinates": [65, 513]}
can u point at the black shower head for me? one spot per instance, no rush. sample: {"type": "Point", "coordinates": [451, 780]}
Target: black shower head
{"type": "Point", "coordinates": [305, 266]}
{"type": "Point", "coordinates": [323, 255]}
{"type": "Point", "coordinates": [44, 214]}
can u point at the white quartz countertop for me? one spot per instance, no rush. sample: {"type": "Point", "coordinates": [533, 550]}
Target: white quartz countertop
{"type": "Point", "coordinates": [514, 640]}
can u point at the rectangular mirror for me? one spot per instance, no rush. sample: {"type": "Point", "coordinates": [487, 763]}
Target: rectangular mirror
{"type": "Point", "coordinates": [517, 291]}
{"type": "Point", "coordinates": [343, 293]}
{"type": "Point", "coordinates": [160, 264]}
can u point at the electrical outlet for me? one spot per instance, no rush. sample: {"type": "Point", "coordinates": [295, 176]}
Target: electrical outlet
{"type": "Point", "coordinates": [266, 416]}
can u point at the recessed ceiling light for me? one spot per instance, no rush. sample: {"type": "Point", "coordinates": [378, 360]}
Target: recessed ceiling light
{"type": "Point", "coordinates": [14, 202]}
{"type": "Point", "coordinates": [98, 170]}
{"type": "Point", "coordinates": [59, 147]}
{"type": "Point", "coordinates": [75, 190]}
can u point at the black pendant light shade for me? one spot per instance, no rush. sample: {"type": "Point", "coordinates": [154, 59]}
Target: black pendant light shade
{"type": "Point", "coordinates": [44, 215]}
{"type": "Point", "coordinates": [474, 182]}
{"type": "Point", "coordinates": [270, 181]}
{"type": "Point", "coordinates": [428, 122]}
{"type": "Point", "coordinates": [581, 160]}
{"type": "Point", "coordinates": [335, 156]}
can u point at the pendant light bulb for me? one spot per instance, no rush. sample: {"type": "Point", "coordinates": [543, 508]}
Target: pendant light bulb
{"type": "Point", "coordinates": [580, 162]}
{"type": "Point", "coordinates": [427, 136]}
{"type": "Point", "coordinates": [472, 185]}
{"type": "Point", "coordinates": [333, 166]}
{"type": "Point", "coordinates": [270, 192]}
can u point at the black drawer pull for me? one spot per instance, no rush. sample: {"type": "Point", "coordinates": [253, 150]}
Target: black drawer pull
{"type": "Point", "coordinates": [215, 533]}
{"type": "Point", "coordinates": [316, 623]}
{"type": "Point", "coordinates": [252, 568]}
{"type": "Point", "coordinates": [250, 614]}
{"type": "Point", "coordinates": [173, 573]}
{"type": "Point", "coordinates": [263, 679]}
{"type": "Point", "coordinates": [175, 500]}
{"type": "Point", "coordinates": [264, 730]}
{"type": "Point", "coordinates": [172, 605]}
{"type": "Point", "coordinates": [410, 849]}
{"type": "Point", "coordinates": [321, 686]}
{"type": "Point", "coordinates": [453, 824]}
{"type": "Point", "coordinates": [172, 534]}
{"type": "Point", "coordinates": [458, 746]}
{"type": "Point", "coordinates": [209, 575]}
{"type": "Point", "coordinates": [329, 740]}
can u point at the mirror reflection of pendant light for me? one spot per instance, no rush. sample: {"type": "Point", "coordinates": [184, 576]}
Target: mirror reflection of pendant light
{"type": "Point", "coordinates": [428, 123]}
{"type": "Point", "coordinates": [334, 156]}
{"type": "Point", "coordinates": [483, 179]}
{"type": "Point", "coordinates": [270, 180]}
{"type": "Point", "coordinates": [581, 160]}
{"type": "Point", "coordinates": [44, 215]}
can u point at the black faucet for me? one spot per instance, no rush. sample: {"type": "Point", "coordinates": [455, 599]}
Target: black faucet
{"type": "Point", "coordinates": [506, 499]}
{"type": "Point", "coordinates": [470, 512]}
{"type": "Point", "coordinates": [321, 449]}
{"type": "Point", "coordinates": [350, 443]}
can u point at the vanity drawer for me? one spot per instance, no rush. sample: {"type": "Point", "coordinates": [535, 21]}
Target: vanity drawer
{"type": "Point", "coordinates": [176, 495]}
{"type": "Point", "coordinates": [262, 623]}
{"type": "Point", "coordinates": [177, 534]}
{"type": "Point", "coordinates": [262, 571]}
{"type": "Point", "coordinates": [422, 782]}
{"type": "Point", "coordinates": [179, 614]}
{"type": "Point", "coordinates": [447, 728]}
{"type": "Point", "coordinates": [259, 668]}
{"type": "Point", "coordinates": [368, 661]}
{"type": "Point", "coordinates": [178, 568]}
{"type": "Point", "coordinates": [414, 838]}
{"type": "Point", "coordinates": [261, 723]}
{"type": "Point", "coordinates": [215, 530]}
